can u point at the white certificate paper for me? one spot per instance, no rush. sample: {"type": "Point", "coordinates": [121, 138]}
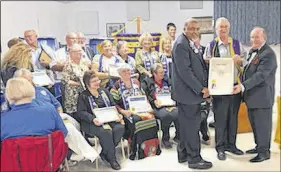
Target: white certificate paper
{"type": "Point", "coordinates": [139, 104]}
{"type": "Point", "coordinates": [221, 75]}
{"type": "Point", "coordinates": [165, 99]}
{"type": "Point", "coordinates": [40, 78]}
{"type": "Point", "coordinates": [107, 114]}
{"type": "Point", "coordinates": [113, 70]}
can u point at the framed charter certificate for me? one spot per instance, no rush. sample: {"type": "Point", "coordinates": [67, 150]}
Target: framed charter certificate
{"type": "Point", "coordinates": [165, 99]}
{"type": "Point", "coordinates": [113, 70]}
{"type": "Point", "coordinates": [107, 114]}
{"type": "Point", "coordinates": [139, 104]}
{"type": "Point", "coordinates": [40, 78]}
{"type": "Point", "coordinates": [221, 76]}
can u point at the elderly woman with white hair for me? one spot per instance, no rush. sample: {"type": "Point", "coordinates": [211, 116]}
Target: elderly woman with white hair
{"type": "Point", "coordinates": [75, 140]}
{"type": "Point", "coordinates": [72, 75]}
{"type": "Point", "coordinates": [25, 114]}
{"type": "Point", "coordinates": [121, 91]}
{"type": "Point", "coordinates": [146, 57]}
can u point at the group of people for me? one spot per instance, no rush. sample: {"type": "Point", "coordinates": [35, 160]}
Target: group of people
{"type": "Point", "coordinates": [180, 69]}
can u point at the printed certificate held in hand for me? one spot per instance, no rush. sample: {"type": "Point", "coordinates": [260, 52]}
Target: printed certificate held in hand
{"type": "Point", "coordinates": [221, 74]}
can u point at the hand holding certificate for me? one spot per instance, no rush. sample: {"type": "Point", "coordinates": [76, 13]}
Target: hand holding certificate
{"type": "Point", "coordinates": [165, 100]}
{"type": "Point", "coordinates": [221, 76]}
{"type": "Point", "coordinates": [139, 104]}
{"type": "Point", "coordinates": [107, 114]}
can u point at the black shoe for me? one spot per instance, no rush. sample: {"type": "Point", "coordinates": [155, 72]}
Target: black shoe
{"type": "Point", "coordinates": [167, 144]}
{"type": "Point", "coordinates": [252, 151]}
{"type": "Point", "coordinates": [235, 151]}
{"type": "Point", "coordinates": [221, 156]}
{"type": "Point", "coordinates": [200, 165]}
{"type": "Point", "coordinates": [260, 157]}
{"type": "Point", "coordinates": [114, 165]}
{"type": "Point", "coordinates": [212, 125]}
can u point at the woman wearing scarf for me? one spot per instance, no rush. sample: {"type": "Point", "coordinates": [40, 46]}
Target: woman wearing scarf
{"type": "Point", "coordinates": [109, 134]}
{"type": "Point", "coordinates": [121, 91]}
{"type": "Point", "coordinates": [145, 57]}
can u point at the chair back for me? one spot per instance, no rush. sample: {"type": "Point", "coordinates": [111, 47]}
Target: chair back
{"type": "Point", "coordinates": [34, 153]}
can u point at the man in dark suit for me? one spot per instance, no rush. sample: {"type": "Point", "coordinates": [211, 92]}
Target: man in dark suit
{"type": "Point", "coordinates": [258, 87]}
{"type": "Point", "coordinates": [189, 88]}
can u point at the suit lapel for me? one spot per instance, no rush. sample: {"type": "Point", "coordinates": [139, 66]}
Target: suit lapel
{"type": "Point", "coordinates": [196, 54]}
{"type": "Point", "coordinates": [257, 55]}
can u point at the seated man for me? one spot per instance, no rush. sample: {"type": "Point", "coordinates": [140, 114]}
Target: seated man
{"type": "Point", "coordinates": [24, 117]}
{"type": "Point", "coordinates": [158, 84]}
{"type": "Point", "coordinates": [75, 140]}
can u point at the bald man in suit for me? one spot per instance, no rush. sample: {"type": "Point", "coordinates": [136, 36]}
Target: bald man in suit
{"type": "Point", "coordinates": [189, 88]}
{"type": "Point", "coordinates": [258, 89]}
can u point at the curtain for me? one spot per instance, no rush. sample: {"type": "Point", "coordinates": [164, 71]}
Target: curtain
{"type": "Point", "coordinates": [244, 15]}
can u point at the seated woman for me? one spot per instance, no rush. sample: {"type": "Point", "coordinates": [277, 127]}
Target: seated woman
{"type": "Point", "coordinates": [72, 84]}
{"type": "Point", "coordinates": [159, 84]}
{"type": "Point", "coordinates": [101, 63]}
{"type": "Point", "coordinates": [25, 114]}
{"type": "Point", "coordinates": [166, 55]}
{"type": "Point", "coordinates": [109, 134]}
{"type": "Point", "coordinates": [18, 56]}
{"type": "Point", "coordinates": [122, 89]}
{"type": "Point", "coordinates": [123, 51]}
{"type": "Point", "coordinates": [145, 57]}
{"type": "Point", "coordinates": [75, 140]}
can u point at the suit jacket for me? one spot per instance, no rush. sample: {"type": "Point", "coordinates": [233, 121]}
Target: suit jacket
{"type": "Point", "coordinates": [259, 79]}
{"type": "Point", "coordinates": [189, 73]}
{"type": "Point", "coordinates": [89, 51]}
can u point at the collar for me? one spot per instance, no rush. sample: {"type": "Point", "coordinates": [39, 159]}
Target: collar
{"type": "Point", "coordinates": [157, 83]}
{"type": "Point", "coordinates": [20, 106]}
{"type": "Point", "coordinates": [262, 45]}
{"type": "Point", "coordinates": [220, 41]}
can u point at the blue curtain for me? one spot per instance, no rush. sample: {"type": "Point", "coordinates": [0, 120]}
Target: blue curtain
{"type": "Point", "coordinates": [244, 15]}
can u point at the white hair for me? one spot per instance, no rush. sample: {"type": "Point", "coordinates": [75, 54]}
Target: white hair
{"type": "Point", "coordinates": [220, 20]}
{"type": "Point", "coordinates": [123, 66]}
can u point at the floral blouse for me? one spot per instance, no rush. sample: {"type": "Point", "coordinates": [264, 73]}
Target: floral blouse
{"type": "Point", "coordinates": [73, 72]}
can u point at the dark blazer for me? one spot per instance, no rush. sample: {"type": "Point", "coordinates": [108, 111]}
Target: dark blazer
{"type": "Point", "coordinates": [148, 86]}
{"type": "Point", "coordinates": [189, 73]}
{"type": "Point", "coordinates": [89, 51]}
{"type": "Point", "coordinates": [259, 79]}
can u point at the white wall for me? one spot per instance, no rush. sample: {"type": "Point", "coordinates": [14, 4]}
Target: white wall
{"type": "Point", "coordinates": [161, 13]}
{"type": "Point", "coordinates": [52, 18]}
{"type": "Point", "coordinates": [46, 17]}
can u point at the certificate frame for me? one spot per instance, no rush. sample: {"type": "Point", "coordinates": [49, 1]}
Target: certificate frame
{"type": "Point", "coordinates": [113, 70]}
{"type": "Point", "coordinates": [161, 98]}
{"type": "Point", "coordinates": [106, 114]}
{"type": "Point", "coordinates": [137, 109]}
{"type": "Point", "coordinates": [221, 76]}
